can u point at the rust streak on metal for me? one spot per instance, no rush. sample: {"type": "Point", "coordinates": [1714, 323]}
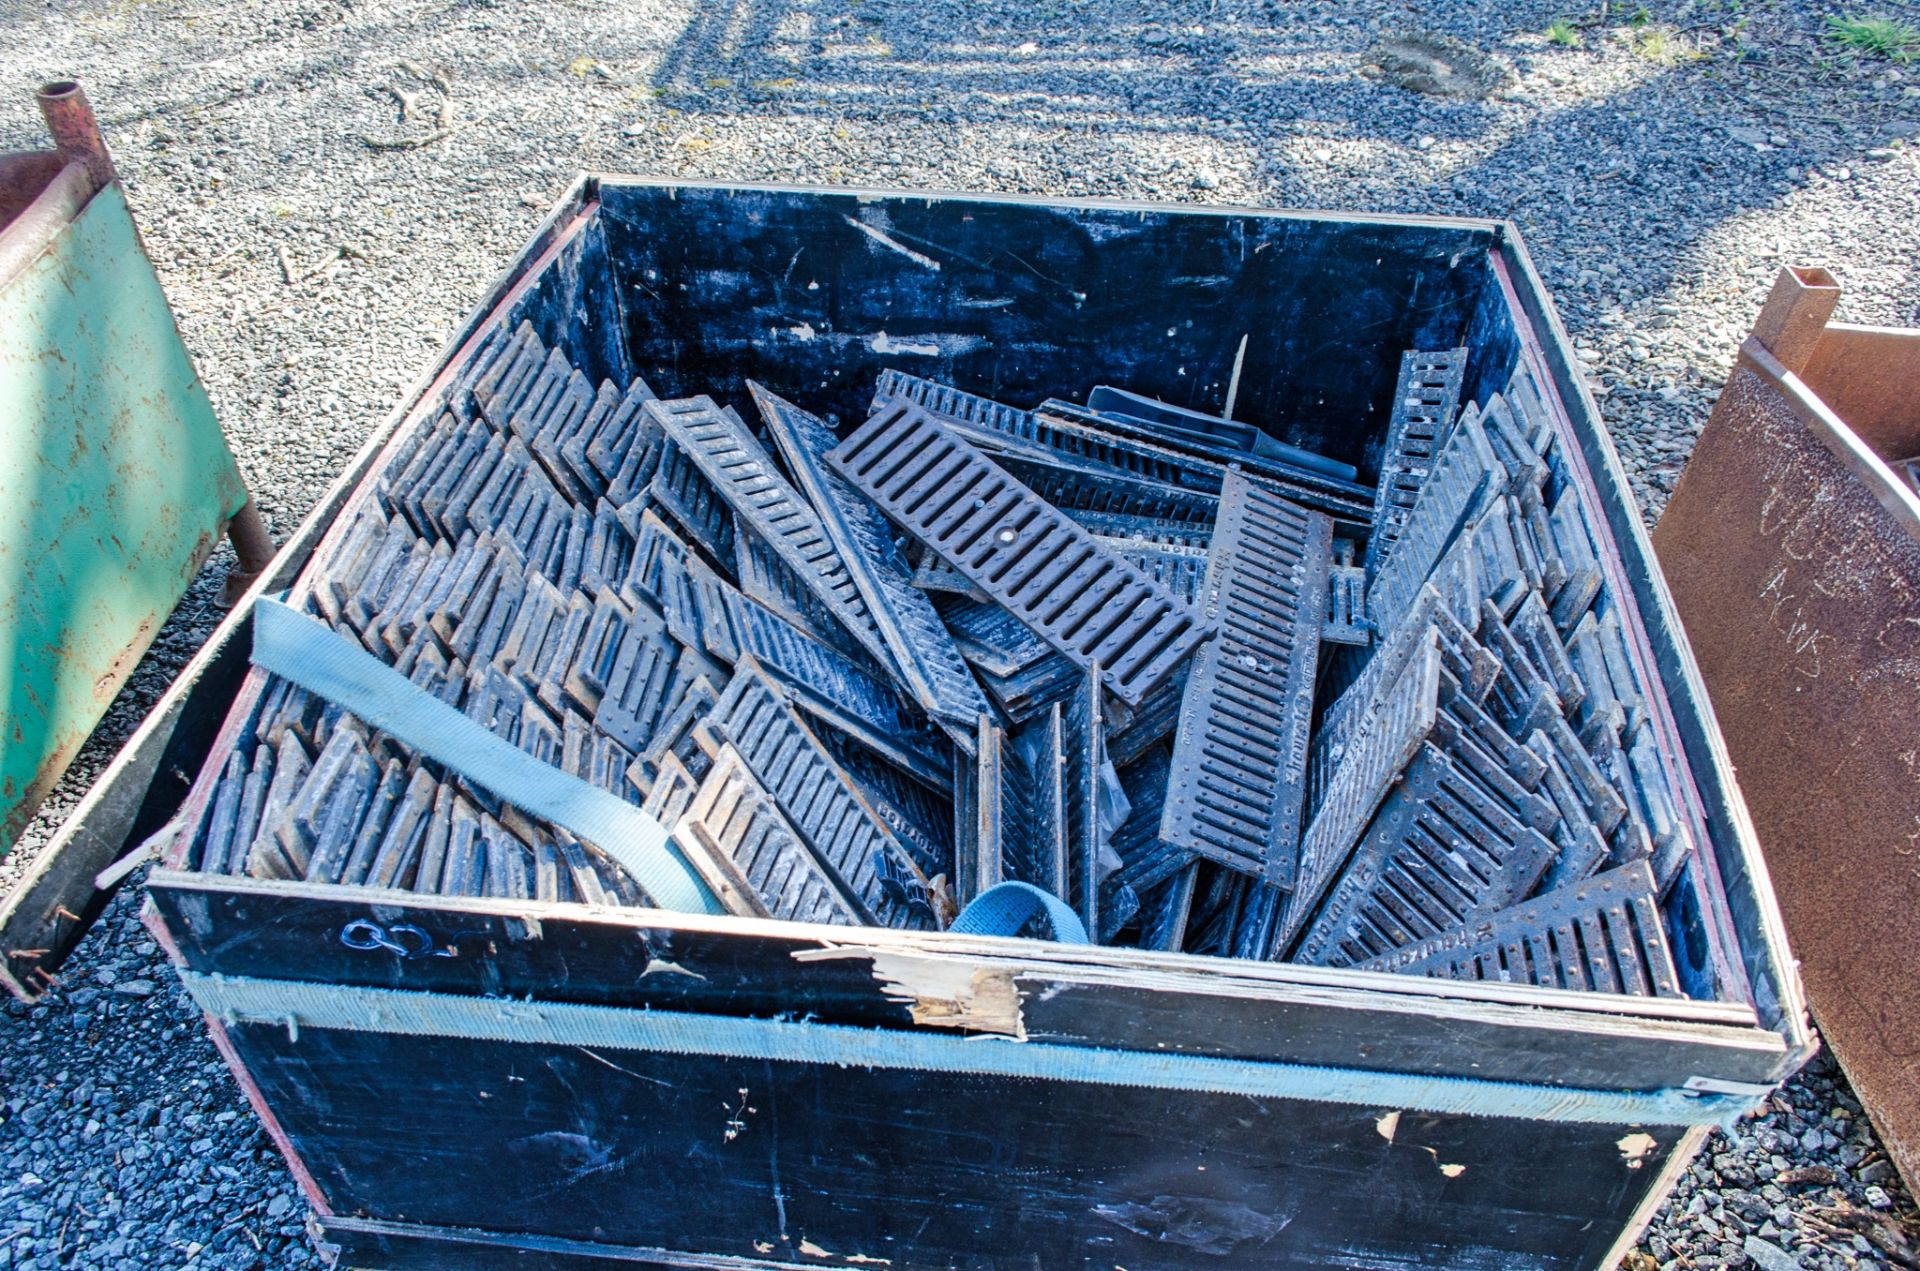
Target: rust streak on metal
{"type": "Point", "coordinates": [76, 133]}
{"type": "Point", "coordinates": [1794, 557]}
{"type": "Point", "coordinates": [1797, 309]}
{"type": "Point", "coordinates": [254, 548]}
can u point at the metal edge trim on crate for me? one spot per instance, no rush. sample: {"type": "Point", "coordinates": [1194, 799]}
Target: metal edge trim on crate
{"type": "Point", "coordinates": [394, 1246]}
{"type": "Point", "coordinates": [242, 999]}
{"type": "Point", "coordinates": [1494, 228]}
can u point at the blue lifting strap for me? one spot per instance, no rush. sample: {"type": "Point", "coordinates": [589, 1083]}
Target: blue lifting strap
{"type": "Point", "coordinates": [1004, 908]}
{"type": "Point", "coordinates": [329, 665]}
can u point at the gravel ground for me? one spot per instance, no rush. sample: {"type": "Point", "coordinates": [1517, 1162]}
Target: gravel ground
{"type": "Point", "coordinates": [1662, 170]}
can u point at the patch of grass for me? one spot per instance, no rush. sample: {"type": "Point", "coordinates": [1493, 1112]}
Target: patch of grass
{"type": "Point", "coordinates": [1659, 44]}
{"type": "Point", "coordinates": [1876, 37]}
{"type": "Point", "coordinates": [1564, 33]}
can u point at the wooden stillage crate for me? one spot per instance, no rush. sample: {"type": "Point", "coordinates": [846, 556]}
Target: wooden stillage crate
{"type": "Point", "coordinates": [482, 1083]}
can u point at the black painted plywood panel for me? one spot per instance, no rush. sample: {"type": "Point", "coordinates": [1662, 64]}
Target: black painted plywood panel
{"type": "Point", "coordinates": [813, 293]}
{"type": "Point", "coordinates": [760, 1159]}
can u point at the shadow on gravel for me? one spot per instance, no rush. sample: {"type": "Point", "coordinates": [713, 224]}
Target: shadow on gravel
{"type": "Point", "coordinates": [1609, 177]}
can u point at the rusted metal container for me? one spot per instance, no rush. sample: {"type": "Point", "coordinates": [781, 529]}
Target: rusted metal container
{"type": "Point", "coordinates": [115, 484]}
{"type": "Point", "coordinates": [1792, 544]}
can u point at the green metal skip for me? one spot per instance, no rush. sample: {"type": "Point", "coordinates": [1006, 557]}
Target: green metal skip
{"type": "Point", "coordinates": [115, 479]}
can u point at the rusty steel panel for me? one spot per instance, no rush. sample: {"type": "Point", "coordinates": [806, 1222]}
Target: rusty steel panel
{"type": "Point", "coordinates": [1793, 552]}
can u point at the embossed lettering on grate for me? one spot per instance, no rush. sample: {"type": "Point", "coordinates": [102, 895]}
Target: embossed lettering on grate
{"type": "Point", "coordinates": [1240, 752]}
{"type": "Point", "coordinates": [1090, 605]}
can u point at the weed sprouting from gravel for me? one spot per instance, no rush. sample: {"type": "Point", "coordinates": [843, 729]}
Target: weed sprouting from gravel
{"type": "Point", "coordinates": [1564, 33]}
{"type": "Point", "coordinates": [1876, 37]}
{"type": "Point", "coordinates": [1662, 46]}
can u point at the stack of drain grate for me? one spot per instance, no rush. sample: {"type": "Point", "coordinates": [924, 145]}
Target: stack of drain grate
{"type": "Point", "coordinates": [1204, 687]}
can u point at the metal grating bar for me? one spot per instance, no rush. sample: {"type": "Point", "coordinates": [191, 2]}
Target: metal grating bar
{"type": "Point", "coordinates": [1215, 912]}
{"type": "Point", "coordinates": [1603, 934]}
{"type": "Point", "coordinates": [1095, 490]}
{"type": "Point", "coordinates": [1266, 456]}
{"type": "Point", "coordinates": [1256, 930]}
{"type": "Point", "coordinates": [607, 449]}
{"type": "Point", "coordinates": [906, 620]}
{"type": "Point", "coordinates": [1531, 408]}
{"type": "Point", "coordinates": [1581, 843]}
{"type": "Point", "coordinates": [1459, 491]}
{"type": "Point", "coordinates": [1090, 605]}
{"type": "Point", "coordinates": [743, 475]}
{"type": "Point", "coordinates": [372, 829]}
{"type": "Point", "coordinates": [1180, 568]}
{"type": "Point", "coordinates": [1573, 543]}
{"type": "Point", "coordinates": [919, 815]}
{"type": "Point", "coordinates": [1429, 620]}
{"type": "Point", "coordinates": [1425, 402]}
{"type": "Point", "coordinates": [1168, 913]}
{"type": "Point", "coordinates": [1442, 851]}
{"type": "Point", "coordinates": [1346, 617]}
{"type": "Point", "coordinates": [1153, 720]}
{"type": "Point", "coordinates": [825, 804]}
{"type": "Point", "coordinates": [1482, 564]}
{"type": "Point", "coordinates": [1148, 529]}
{"type": "Point", "coordinates": [1382, 742]}
{"type": "Point", "coordinates": [1146, 859]}
{"type": "Point", "coordinates": [1527, 473]}
{"type": "Point", "coordinates": [1092, 787]}
{"type": "Point", "coordinates": [1026, 693]}
{"type": "Point", "coordinates": [827, 685]}
{"type": "Point", "coordinates": [931, 573]}
{"type": "Point", "coordinates": [637, 689]}
{"type": "Point", "coordinates": [1034, 804]}
{"type": "Point", "coordinates": [1117, 445]}
{"type": "Point", "coordinates": [979, 813]}
{"type": "Point", "coordinates": [1240, 753]}
{"type": "Point", "coordinates": [683, 492]}
{"type": "Point", "coordinates": [992, 639]}
{"type": "Point", "coordinates": [574, 407]}
{"type": "Point", "coordinates": [693, 697]}
{"type": "Point", "coordinates": [737, 825]}
{"type": "Point", "coordinates": [764, 577]}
